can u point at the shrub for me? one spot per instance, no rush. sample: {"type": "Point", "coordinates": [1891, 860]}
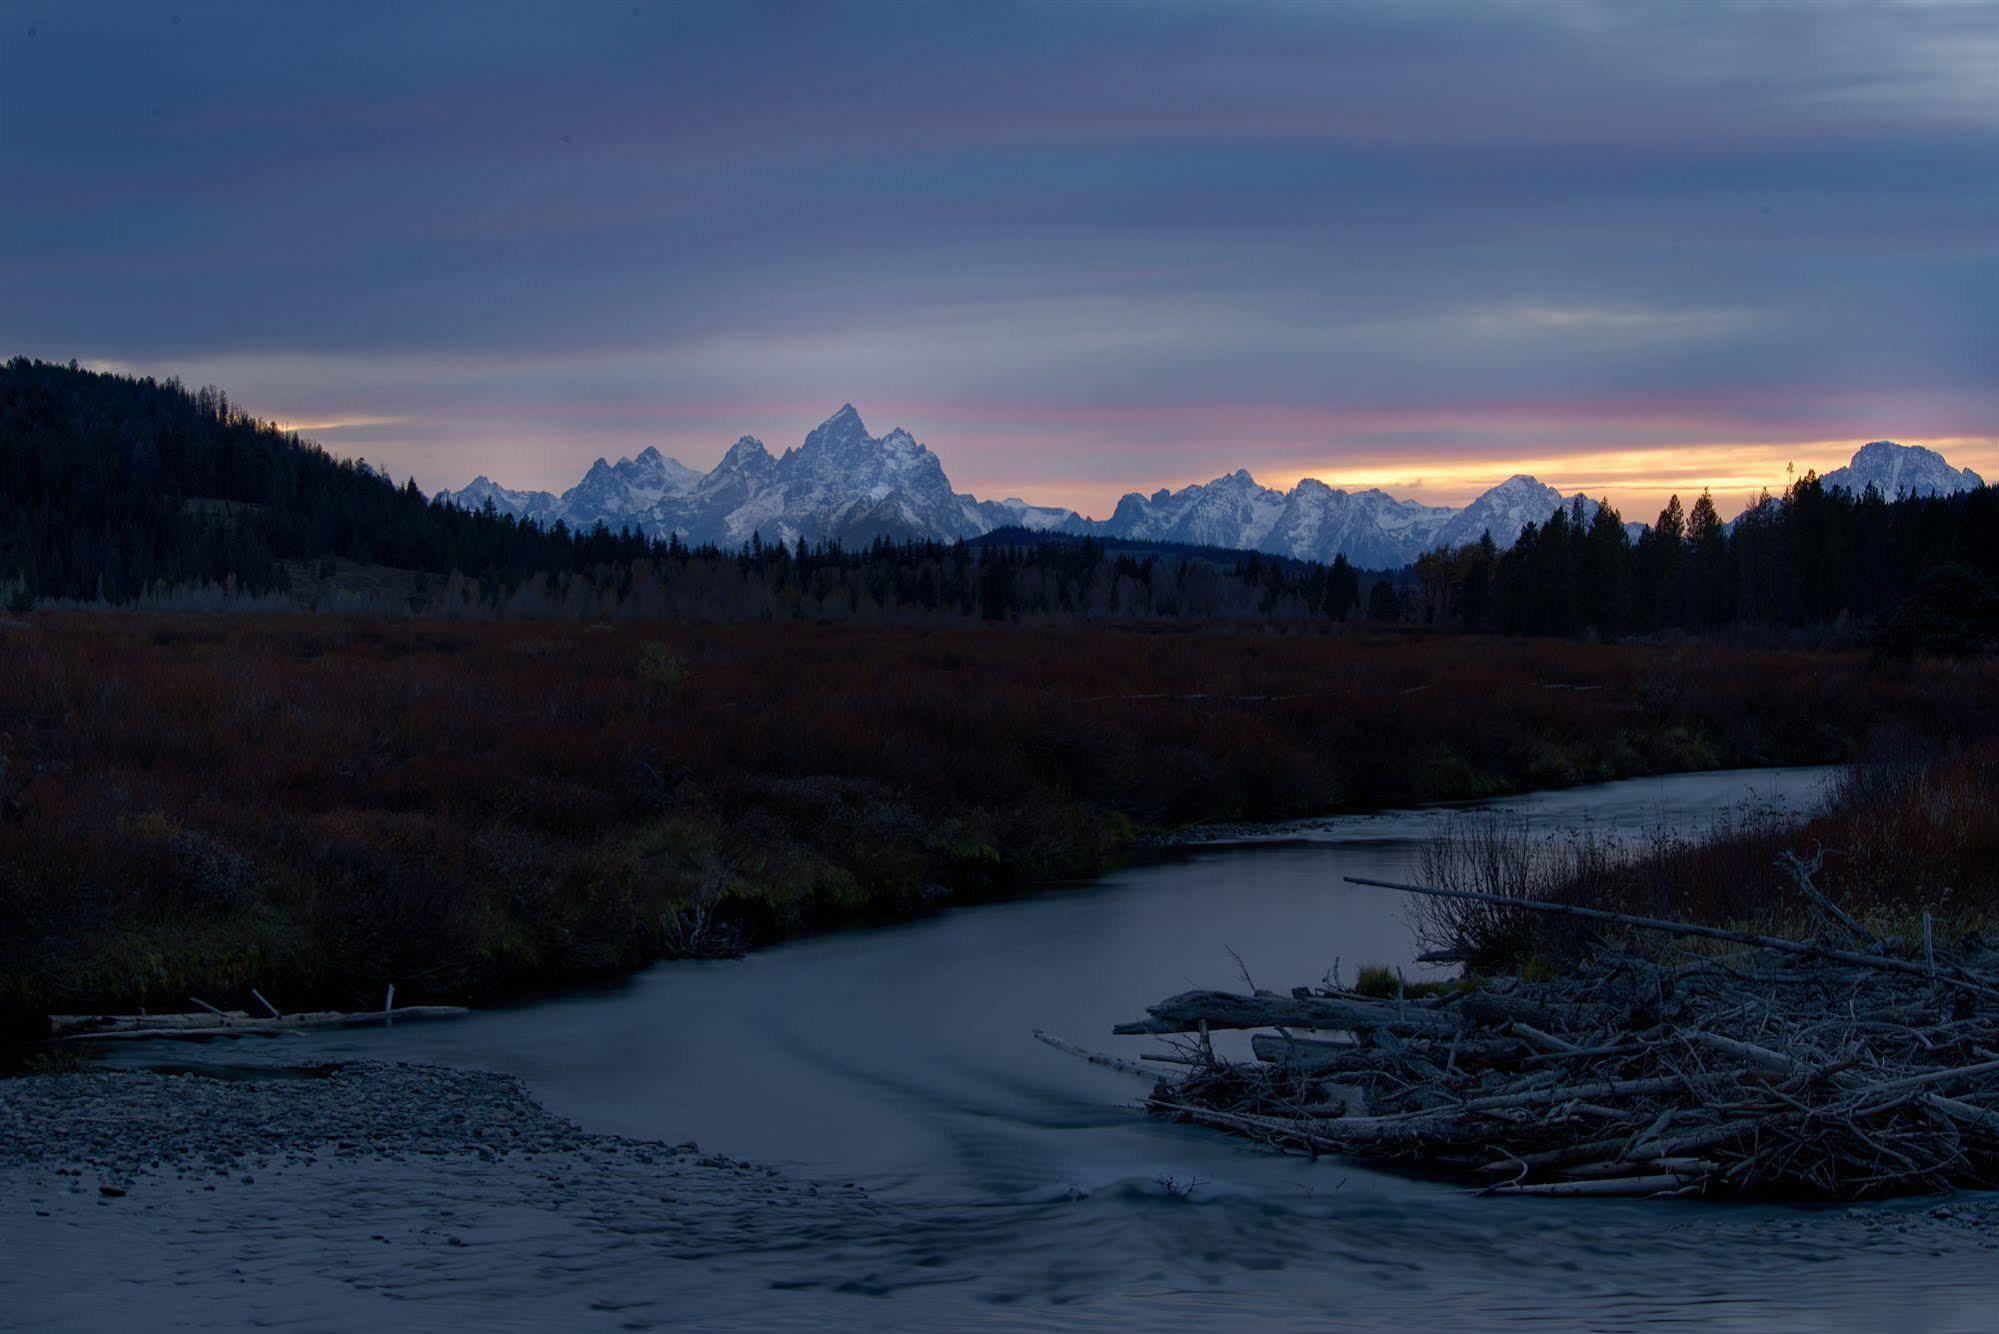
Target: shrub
{"type": "Point", "coordinates": [318, 806]}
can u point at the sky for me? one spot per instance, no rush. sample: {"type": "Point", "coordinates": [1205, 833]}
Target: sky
{"type": "Point", "coordinates": [1078, 249]}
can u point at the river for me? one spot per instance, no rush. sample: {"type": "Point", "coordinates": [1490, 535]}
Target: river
{"type": "Point", "coordinates": [1024, 1190]}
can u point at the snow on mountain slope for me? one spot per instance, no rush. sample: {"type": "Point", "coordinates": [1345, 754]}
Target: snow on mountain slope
{"type": "Point", "coordinates": [626, 493]}
{"type": "Point", "coordinates": [843, 484]}
{"type": "Point", "coordinates": [538, 505]}
{"type": "Point", "coordinates": [840, 484]}
{"type": "Point", "coordinates": [1901, 470]}
{"type": "Point", "coordinates": [1371, 528]}
{"type": "Point", "coordinates": [1505, 510]}
{"type": "Point", "coordinates": [1014, 512]}
{"type": "Point", "coordinates": [1314, 521]}
{"type": "Point", "coordinates": [1231, 511]}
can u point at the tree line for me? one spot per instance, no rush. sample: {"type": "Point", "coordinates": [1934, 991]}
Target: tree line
{"type": "Point", "coordinates": [119, 489]}
{"type": "Point", "coordinates": [914, 582]}
{"type": "Point", "coordinates": [1921, 571]}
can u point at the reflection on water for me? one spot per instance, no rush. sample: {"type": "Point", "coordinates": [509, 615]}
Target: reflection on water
{"type": "Point", "coordinates": [902, 1059]}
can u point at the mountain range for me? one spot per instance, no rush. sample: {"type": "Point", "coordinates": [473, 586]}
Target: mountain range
{"type": "Point", "coordinates": [846, 485]}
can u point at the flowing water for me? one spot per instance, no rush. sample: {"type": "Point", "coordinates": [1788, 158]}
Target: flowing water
{"type": "Point", "coordinates": [1021, 1190]}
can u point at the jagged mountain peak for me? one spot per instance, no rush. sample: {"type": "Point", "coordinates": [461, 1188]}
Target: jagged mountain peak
{"type": "Point", "coordinates": [520, 504]}
{"type": "Point", "coordinates": [1897, 470]}
{"type": "Point", "coordinates": [841, 483]}
{"type": "Point", "coordinates": [843, 427]}
{"type": "Point", "coordinates": [747, 448]}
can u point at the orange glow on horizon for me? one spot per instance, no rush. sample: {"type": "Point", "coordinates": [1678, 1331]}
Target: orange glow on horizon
{"type": "Point", "coordinates": [1636, 479]}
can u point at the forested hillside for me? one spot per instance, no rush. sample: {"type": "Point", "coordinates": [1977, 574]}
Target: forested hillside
{"type": "Point", "coordinates": [115, 486]}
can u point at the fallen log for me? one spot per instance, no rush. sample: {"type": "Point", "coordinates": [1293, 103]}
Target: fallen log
{"type": "Point", "coordinates": [1886, 962]}
{"type": "Point", "coordinates": [64, 1025]}
{"type": "Point", "coordinates": [1321, 1056]}
{"type": "Point", "coordinates": [1984, 1118]}
{"type": "Point", "coordinates": [1328, 1135]}
{"type": "Point", "coordinates": [1109, 1062]}
{"type": "Point", "coordinates": [1642, 1185]}
{"type": "Point", "coordinates": [1610, 1088]}
{"type": "Point", "coordinates": [1801, 873]}
{"type": "Point", "coordinates": [1310, 1056]}
{"type": "Point", "coordinates": [112, 1027]}
{"type": "Point", "coordinates": [1760, 1057]}
{"type": "Point", "coordinates": [1190, 1010]}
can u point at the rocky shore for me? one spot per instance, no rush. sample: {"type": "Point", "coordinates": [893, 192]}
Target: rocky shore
{"type": "Point", "coordinates": [114, 1131]}
{"type": "Point", "coordinates": [309, 1197]}
{"type": "Point", "coordinates": [368, 1196]}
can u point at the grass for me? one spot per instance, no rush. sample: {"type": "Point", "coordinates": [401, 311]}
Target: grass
{"type": "Point", "coordinates": [1910, 832]}
{"type": "Point", "coordinates": [317, 806]}
{"type": "Point", "coordinates": [1384, 982]}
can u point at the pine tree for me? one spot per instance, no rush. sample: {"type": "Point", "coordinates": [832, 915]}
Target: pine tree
{"type": "Point", "coordinates": [1342, 589]}
{"type": "Point", "coordinates": [1605, 557]}
{"type": "Point", "coordinates": [1382, 604]}
{"type": "Point", "coordinates": [1709, 581]}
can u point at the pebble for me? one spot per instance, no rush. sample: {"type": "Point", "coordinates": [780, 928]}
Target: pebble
{"type": "Point", "coordinates": [118, 1126]}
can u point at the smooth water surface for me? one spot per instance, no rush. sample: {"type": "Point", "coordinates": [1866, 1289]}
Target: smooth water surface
{"type": "Point", "coordinates": [902, 1059]}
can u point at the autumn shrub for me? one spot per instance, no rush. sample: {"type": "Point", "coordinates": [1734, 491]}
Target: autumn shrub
{"type": "Point", "coordinates": [1911, 829]}
{"type": "Point", "coordinates": [318, 806]}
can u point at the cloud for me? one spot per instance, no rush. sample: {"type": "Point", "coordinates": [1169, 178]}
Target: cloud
{"type": "Point", "coordinates": [1076, 247]}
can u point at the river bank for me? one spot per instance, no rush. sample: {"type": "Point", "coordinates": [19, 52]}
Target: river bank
{"type": "Point", "coordinates": [319, 807]}
{"type": "Point", "coordinates": [1907, 846]}
{"type": "Point", "coordinates": [1007, 1184]}
{"type": "Point", "coordinates": [307, 1197]}
{"type": "Point", "coordinates": [363, 1197]}
{"type": "Point", "coordinates": [1792, 1004]}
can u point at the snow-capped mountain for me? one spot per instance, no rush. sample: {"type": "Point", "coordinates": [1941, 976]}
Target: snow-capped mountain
{"type": "Point", "coordinates": [1014, 512]}
{"type": "Point", "coordinates": [843, 484]}
{"type": "Point", "coordinates": [1231, 511]}
{"type": "Point", "coordinates": [1504, 511]}
{"type": "Point", "coordinates": [1901, 470]}
{"type": "Point", "coordinates": [1313, 521]}
{"type": "Point", "coordinates": [541, 506]}
{"type": "Point", "coordinates": [840, 484]}
{"type": "Point", "coordinates": [625, 494]}
{"type": "Point", "coordinates": [619, 495]}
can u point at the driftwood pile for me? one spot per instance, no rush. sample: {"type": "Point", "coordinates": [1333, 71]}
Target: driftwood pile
{"type": "Point", "coordinates": [1838, 1068]}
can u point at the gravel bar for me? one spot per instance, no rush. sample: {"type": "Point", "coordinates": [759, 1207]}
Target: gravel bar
{"type": "Point", "coordinates": [330, 1197]}
{"type": "Point", "coordinates": [117, 1127]}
